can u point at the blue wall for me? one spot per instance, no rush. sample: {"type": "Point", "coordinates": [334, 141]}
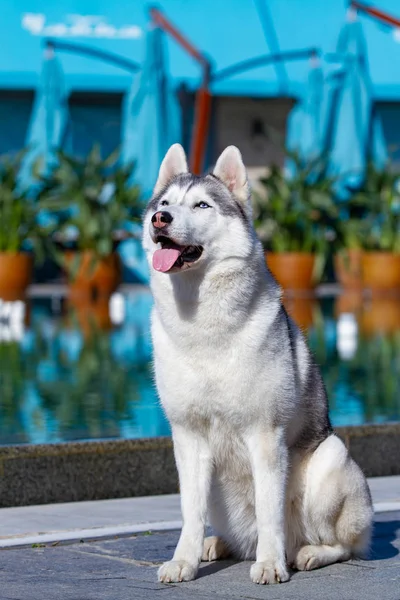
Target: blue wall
{"type": "Point", "coordinates": [94, 119]}
{"type": "Point", "coordinates": [227, 31]}
{"type": "Point", "coordinates": [390, 116]}
{"type": "Point", "coordinates": [15, 112]}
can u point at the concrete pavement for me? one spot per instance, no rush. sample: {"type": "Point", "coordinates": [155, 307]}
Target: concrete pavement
{"type": "Point", "coordinates": [124, 566]}
{"type": "Point", "coordinates": [126, 569]}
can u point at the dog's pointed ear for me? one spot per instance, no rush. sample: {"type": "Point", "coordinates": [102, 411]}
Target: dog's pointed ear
{"type": "Point", "coordinates": [232, 172]}
{"type": "Point", "coordinates": [173, 164]}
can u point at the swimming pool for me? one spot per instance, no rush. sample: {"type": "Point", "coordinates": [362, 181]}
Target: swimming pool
{"type": "Point", "coordinates": [76, 371]}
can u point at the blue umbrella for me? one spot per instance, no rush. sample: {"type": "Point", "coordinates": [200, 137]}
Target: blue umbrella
{"type": "Point", "coordinates": [151, 120]}
{"type": "Point", "coordinates": [352, 132]}
{"type": "Point", "coordinates": [49, 118]}
{"type": "Point", "coordinates": [304, 131]}
{"type": "Point", "coordinates": [377, 146]}
{"type": "Point", "coordinates": [151, 123]}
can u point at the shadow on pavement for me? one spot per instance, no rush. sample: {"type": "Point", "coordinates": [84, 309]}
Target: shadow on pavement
{"type": "Point", "coordinates": [384, 535]}
{"type": "Point", "coordinates": [214, 567]}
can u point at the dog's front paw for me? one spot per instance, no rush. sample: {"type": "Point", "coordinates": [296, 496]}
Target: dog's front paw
{"type": "Point", "coordinates": [175, 571]}
{"type": "Point", "coordinates": [269, 572]}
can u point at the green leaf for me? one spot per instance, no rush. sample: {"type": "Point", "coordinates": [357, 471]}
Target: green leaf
{"type": "Point", "coordinates": [73, 265]}
{"type": "Point", "coordinates": [73, 196]}
{"type": "Point", "coordinates": [104, 247]}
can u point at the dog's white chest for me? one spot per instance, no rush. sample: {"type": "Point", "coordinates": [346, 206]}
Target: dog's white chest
{"type": "Point", "coordinates": [201, 384]}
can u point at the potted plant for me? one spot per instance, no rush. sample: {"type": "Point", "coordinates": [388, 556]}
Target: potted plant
{"type": "Point", "coordinates": [21, 236]}
{"type": "Point", "coordinates": [93, 201]}
{"type": "Point", "coordinates": [348, 256]}
{"type": "Point", "coordinates": [294, 219]}
{"type": "Point", "coordinates": [350, 230]}
{"type": "Point", "coordinates": [381, 229]}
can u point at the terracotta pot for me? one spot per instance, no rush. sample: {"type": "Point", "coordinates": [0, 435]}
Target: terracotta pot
{"type": "Point", "coordinates": [381, 315]}
{"type": "Point", "coordinates": [381, 270]}
{"type": "Point", "coordinates": [348, 268]}
{"type": "Point", "coordinates": [292, 270]}
{"type": "Point", "coordinates": [103, 280]}
{"type": "Point", "coordinates": [15, 274]}
{"type": "Point", "coordinates": [301, 310]}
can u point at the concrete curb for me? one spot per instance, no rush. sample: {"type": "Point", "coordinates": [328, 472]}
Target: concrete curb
{"type": "Point", "coordinates": [375, 448]}
{"type": "Point", "coordinates": [74, 535]}
{"type": "Point", "coordinates": [87, 534]}
{"type": "Point", "coordinates": [80, 471]}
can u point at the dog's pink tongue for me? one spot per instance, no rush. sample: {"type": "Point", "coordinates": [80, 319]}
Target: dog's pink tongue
{"type": "Point", "coordinates": [164, 260]}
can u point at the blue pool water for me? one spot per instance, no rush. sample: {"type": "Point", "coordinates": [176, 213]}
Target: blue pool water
{"type": "Point", "coordinates": [79, 372]}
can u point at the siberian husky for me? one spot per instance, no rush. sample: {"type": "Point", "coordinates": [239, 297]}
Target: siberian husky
{"type": "Point", "coordinates": [253, 444]}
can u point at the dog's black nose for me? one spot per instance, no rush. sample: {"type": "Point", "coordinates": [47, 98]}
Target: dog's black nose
{"type": "Point", "coordinates": [161, 219]}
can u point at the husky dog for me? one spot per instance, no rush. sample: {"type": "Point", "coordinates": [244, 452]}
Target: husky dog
{"type": "Point", "coordinates": [246, 403]}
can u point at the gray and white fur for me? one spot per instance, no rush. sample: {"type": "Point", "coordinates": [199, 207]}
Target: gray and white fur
{"type": "Point", "coordinates": [254, 447]}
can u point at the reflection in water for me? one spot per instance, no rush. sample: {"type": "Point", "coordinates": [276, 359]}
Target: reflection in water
{"type": "Point", "coordinates": [347, 336]}
{"type": "Point", "coordinates": [79, 373]}
{"type": "Point", "coordinates": [88, 316]}
{"type": "Point", "coordinates": [13, 318]}
{"type": "Point", "coordinates": [301, 309]}
{"type": "Point", "coordinates": [350, 301]}
{"type": "Point", "coordinates": [363, 376]}
{"type": "Point", "coordinates": [381, 315]}
{"type": "Point", "coordinates": [72, 370]}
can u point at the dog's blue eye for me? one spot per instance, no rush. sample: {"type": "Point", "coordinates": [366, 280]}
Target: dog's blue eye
{"type": "Point", "coordinates": [202, 205]}
{"type": "Point", "coordinates": [164, 203]}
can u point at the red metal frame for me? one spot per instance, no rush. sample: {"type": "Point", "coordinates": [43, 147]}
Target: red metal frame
{"type": "Point", "coordinates": [376, 13]}
{"type": "Point", "coordinates": [161, 21]}
{"type": "Point", "coordinates": [203, 95]}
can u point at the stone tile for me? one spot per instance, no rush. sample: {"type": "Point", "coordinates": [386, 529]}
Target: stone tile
{"type": "Point", "coordinates": [126, 568]}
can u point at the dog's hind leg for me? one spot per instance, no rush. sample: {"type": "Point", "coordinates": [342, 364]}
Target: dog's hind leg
{"type": "Point", "coordinates": [214, 548]}
{"type": "Point", "coordinates": [312, 557]}
{"type": "Point", "coordinates": [337, 511]}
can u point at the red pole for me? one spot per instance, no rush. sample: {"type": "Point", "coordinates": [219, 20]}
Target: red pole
{"type": "Point", "coordinates": [200, 130]}
{"type": "Point", "coordinates": [376, 13]}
